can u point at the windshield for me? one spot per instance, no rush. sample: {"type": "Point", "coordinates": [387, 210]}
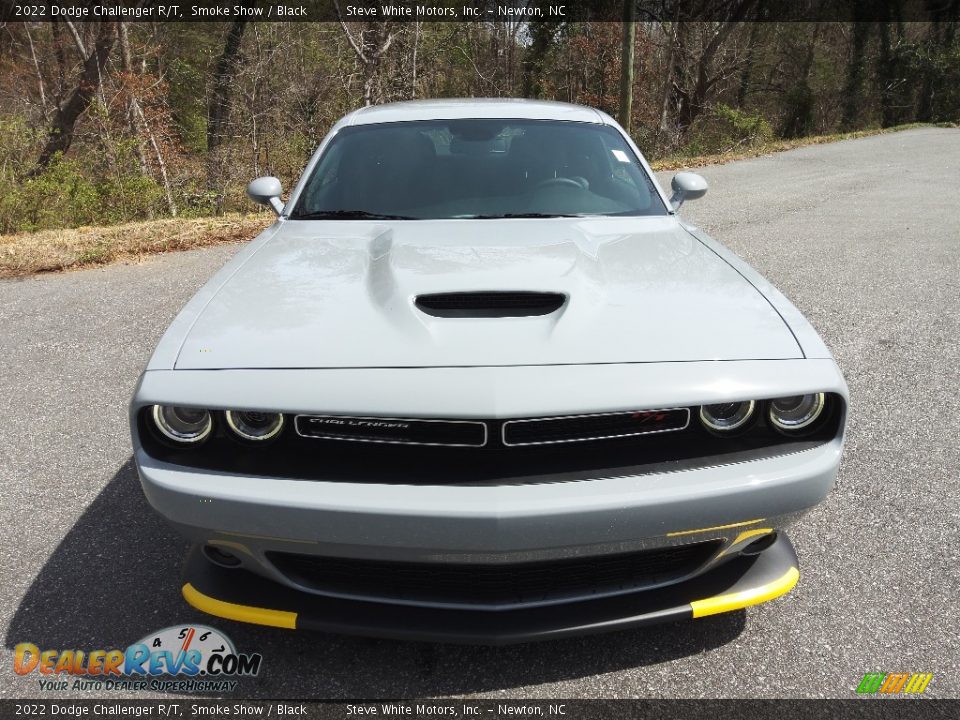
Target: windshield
{"type": "Point", "coordinates": [442, 169]}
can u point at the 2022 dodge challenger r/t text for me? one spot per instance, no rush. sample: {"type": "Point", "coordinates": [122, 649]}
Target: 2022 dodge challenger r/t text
{"type": "Point", "coordinates": [480, 383]}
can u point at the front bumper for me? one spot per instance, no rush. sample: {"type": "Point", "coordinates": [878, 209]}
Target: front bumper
{"type": "Point", "coordinates": [242, 596]}
{"type": "Point", "coordinates": [251, 516]}
{"type": "Point", "coordinates": [246, 517]}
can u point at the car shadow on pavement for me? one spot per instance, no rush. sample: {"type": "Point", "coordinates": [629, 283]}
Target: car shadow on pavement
{"type": "Point", "coordinates": [114, 579]}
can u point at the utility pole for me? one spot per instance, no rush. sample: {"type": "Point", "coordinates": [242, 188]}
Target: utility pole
{"type": "Point", "coordinates": [626, 64]}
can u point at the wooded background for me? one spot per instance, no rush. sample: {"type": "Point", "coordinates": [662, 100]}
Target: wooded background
{"type": "Point", "coordinates": [105, 122]}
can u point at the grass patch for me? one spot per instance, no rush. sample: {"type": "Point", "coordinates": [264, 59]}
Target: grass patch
{"type": "Point", "coordinates": [53, 250]}
{"type": "Point", "coordinates": [681, 161]}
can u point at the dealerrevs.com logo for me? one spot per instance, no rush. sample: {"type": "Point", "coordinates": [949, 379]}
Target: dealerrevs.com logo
{"type": "Point", "coordinates": [181, 658]}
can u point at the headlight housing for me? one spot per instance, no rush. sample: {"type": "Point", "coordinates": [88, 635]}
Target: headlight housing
{"type": "Point", "coordinates": [254, 426]}
{"type": "Point", "coordinates": [797, 412]}
{"type": "Point", "coordinates": [725, 418]}
{"type": "Point", "coordinates": [181, 424]}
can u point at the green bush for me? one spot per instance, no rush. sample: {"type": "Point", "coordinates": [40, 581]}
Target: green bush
{"type": "Point", "coordinates": [723, 129]}
{"type": "Point", "coordinates": [64, 196]}
{"type": "Point", "coordinates": [59, 197]}
{"type": "Point", "coordinates": [85, 188]}
{"type": "Point", "coordinates": [741, 128]}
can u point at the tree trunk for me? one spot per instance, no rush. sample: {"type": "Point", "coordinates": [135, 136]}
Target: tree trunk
{"type": "Point", "coordinates": [890, 67]}
{"type": "Point", "coordinates": [542, 39]}
{"type": "Point", "coordinates": [799, 100]}
{"type": "Point", "coordinates": [369, 54]}
{"type": "Point", "coordinates": [855, 70]}
{"type": "Point", "coordinates": [218, 111]}
{"type": "Point", "coordinates": [132, 118]}
{"type": "Point", "coordinates": [662, 126]}
{"type": "Point", "coordinates": [626, 65]}
{"type": "Point", "coordinates": [62, 68]}
{"type": "Point", "coordinates": [140, 126]}
{"type": "Point", "coordinates": [416, 41]}
{"type": "Point", "coordinates": [745, 76]}
{"type": "Point", "coordinates": [36, 66]}
{"type": "Point", "coordinates": [65, 119]}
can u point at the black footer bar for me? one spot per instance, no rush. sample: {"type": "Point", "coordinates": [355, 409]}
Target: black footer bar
{"type": "Point", "coordinates": [492, 709]}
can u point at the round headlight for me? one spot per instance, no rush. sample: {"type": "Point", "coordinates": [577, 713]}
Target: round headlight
{"type": "Point", "coordinates": [254, 426]}
{"type": "Point", "coordinates": [182, 425]}
{"type": "Point", "coordinates": [727, 417]}
{"type": "Point", "coordinates": [796, 412]}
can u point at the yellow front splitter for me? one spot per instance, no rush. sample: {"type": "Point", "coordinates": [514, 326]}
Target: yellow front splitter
{"type": "Point", "coordinates": [740, 582]}
{"type": "Point", "coordinates": [240, 613]}
{"type": "Point", "coordinates": [745, 598]}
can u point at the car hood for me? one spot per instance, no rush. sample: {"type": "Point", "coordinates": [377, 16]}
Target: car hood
{"type": "Point", "coordinates": [323, 294]}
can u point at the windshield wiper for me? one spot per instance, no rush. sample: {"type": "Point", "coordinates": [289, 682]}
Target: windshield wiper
{"type": "Point", "coordinates": [519, 215]}
{"type": "Point", "coordinates": [348, 215]}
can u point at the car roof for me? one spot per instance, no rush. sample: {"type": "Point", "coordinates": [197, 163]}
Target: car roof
{"type": "Point", "coordinates": [456, 108]}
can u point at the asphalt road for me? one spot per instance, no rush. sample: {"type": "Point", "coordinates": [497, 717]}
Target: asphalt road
{"type": "Point", "coordinates": [863, 235]}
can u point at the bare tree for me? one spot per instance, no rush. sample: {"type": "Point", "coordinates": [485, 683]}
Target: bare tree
{"type": "Point", "coordinates": [543, 40]}
{"type": "Point", "coordinates": [798, 101]}
{"type": "Point", "coordinates": [369, 45]}
{"type": "Point", "coordinates": [60, 136]}
{"type": "Point", "coordinates": [699, 65]}
{"type": "Point", "coordinates": [748, 61]}
{"type": "Point", "coordinates": [218, 111]}
{"type": "Point", "coordinates": [138, 122]}
{"type": "Point", "coordinates": [856, 72]}
{"type": "Point", "coordinates": [890, 70]}
{"type": "Point", "coordinates": [36, 66]}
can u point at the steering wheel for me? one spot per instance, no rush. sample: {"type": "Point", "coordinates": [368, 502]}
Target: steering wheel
{"type": "Point", "coordinates": [558, 181]}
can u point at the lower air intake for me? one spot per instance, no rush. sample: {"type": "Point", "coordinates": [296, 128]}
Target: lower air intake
{"type": "Point", "coordinates": [490, 304]}
{"type": "Point", "coordinates": [495, 584]}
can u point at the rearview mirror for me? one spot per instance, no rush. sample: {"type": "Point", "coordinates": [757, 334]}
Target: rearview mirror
{"type": "Point", "coordinates": [266, 191]}
{"type": "Point", "coordinates": [687, 186]}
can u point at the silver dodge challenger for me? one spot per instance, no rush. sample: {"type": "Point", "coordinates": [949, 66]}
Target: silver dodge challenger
{"type": "Point", "coordinates": [479, 382]}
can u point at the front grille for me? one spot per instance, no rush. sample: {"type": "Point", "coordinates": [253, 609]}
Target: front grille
{"type": "Point", "coordinates": [397, 431]}
{"type": "Point", "coordinates": [490, 304]}
{"type": "Point", "coordinates": [474, 433]}
{"type": "Point", "coordinates": [606, 426]}
{"type": "Point", "coordinates": [504, 584]}
{"type": "Point", "coordinates": [454, 453]}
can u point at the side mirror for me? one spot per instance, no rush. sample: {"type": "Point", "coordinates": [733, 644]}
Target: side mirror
{"type": "Point", "coordinates": [687, 186]}
{"type": "Point", "coordinates": [266, 191]}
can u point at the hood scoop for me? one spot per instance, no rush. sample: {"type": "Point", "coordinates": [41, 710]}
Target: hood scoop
{"type": "Point", "coordinates": [490, 304]}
